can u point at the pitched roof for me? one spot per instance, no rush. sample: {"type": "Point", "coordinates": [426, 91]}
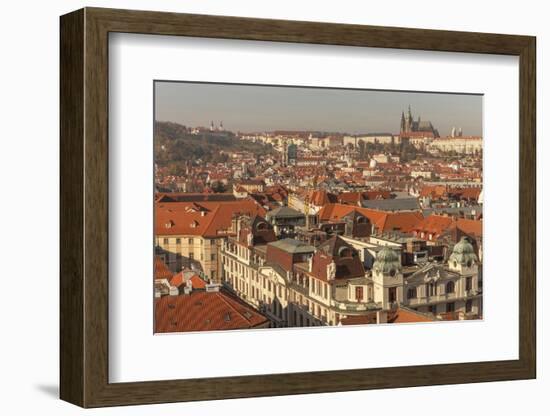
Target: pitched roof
{"type": "Point", "coordinates": [207, 219]}
{"type": "Point", "coordinates": [292, 246]}
{"type": "Point", "coordinates": [284, 212]}
{"type": "Point", "coordinates": [434, 224]}
{"type": "Point", "coordinates": [399, 316]}
{"type": "Point", "coordinates": [161, 269]}
{"type": "Point", "coordinates": [382, 220]}
{"type": "Point", "coordinates": [320, 198]}
{"type": "Point", "coordinates": [345, 258]}
{"type": "Point", "coordinates": [438, 224]}
{"type": "Point", "coordinates": [472, 227]}
{"type": "Point", "coordinates": [193, 197]}
{"type": "Point", "coordinates": [397, 204]}
{"type": "Point", "coordinates": [204, 311]}
{"type": "Point", "coordinates": [196, 281]}
{"type": "Point", "coordinates": [405, 315]}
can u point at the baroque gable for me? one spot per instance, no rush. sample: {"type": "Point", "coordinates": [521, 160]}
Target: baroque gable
{"type": "Point", "coordinates": [431, 273]}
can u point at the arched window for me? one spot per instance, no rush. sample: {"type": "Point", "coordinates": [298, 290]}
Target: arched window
{"type": "Point", "coordinates": [261, 226]}
{"type": "Point", "coordinates": [411, 293]}
{"type": "Point", "coordinates": [345, 252]}
{"type": "Point", "coordinates": [361, 220]}
{"type": "Point", "coordinates": [450, 287]}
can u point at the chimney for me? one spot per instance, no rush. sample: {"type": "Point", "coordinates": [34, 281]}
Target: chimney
{"type": "Point", "coordinates": [212, 287]}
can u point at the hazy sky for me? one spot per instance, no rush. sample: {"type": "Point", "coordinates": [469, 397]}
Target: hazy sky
{"type": "Point", "coordinates": [249, 108]}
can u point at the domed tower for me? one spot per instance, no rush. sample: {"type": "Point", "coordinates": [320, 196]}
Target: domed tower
{"type": "Point", "coordinates": [463, 259]}
{"type": "Point", "coordinates": [387, 278]}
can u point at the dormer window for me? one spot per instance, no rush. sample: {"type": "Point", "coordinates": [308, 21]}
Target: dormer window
{"type": "Point", "coordinates": [169, 224]}
{"type": "Point", "coordinates": [345, 252]}
{"type": "Point", "coordinates": [261, 226]}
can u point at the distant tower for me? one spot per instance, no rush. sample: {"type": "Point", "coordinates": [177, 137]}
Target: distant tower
{"type": "Point", "coordinates": [221, 125]}
{"type": "Point", "coordinates": [460, 132]}
{"type": "Point", "coordinates": [285, 153]}
{"type": "Point", "coordinates": [408, 124]}
{"type": "Point", "coordinates": [212, 125]}
{"type": "Point", "coordinates": [453, 132]}
{"type": "Point", "coordinates": [403, 122]}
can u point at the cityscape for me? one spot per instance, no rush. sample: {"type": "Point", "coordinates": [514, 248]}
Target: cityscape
{"type": "Point", "coordinates": [281, 207]}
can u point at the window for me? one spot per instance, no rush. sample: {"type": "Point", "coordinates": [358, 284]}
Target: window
{"type": "Point", "coordinates": [191, 256]}
{"type": "Point", "coordinates": [411, 293]}
{"type": "Point", "coordinates": [392, 294]}
{"type": "Point", "coordinates": [165, 241]}
{"type": "Point", "coordinates": [450, 287]}
{"type": "Point", "coordinates": [359, 293]}
{"type": "Point", "coordinates": [190, 241]}
{"type": "Point", "coordinates": [212, 257]}
{"type": "Point", "coordinates": [433, 309]}
{"type": "Point", "coordinates": [469, 306]}
{"type": "Point", "coordinates": [178, 240]}
{"type": "Point", "coordinates": [450, 307]}
{"type": "Point", "coordinates": [468, 283]}
{"type": "Point", "coordinates": [212, 242]}
{"type": "Point", "coordinates": [213, 274]}
{"type": "Point", "coordinates": [430, 289]}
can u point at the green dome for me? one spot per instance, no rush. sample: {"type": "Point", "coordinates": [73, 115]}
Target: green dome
{"type": "Point", "coordinates": [463, 252]}
{"type": "Point", "coordinates": [387, 260]}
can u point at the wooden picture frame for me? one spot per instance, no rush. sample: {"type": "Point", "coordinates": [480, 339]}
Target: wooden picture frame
{"type": "Point", "coordinates": [84, 207]}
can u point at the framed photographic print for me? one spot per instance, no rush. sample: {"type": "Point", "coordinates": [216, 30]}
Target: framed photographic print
{"type": "Point", "coordinates": [255, 207]}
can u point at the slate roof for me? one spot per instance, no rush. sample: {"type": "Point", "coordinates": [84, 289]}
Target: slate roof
{"type": "Point", "coordinates": [293, 246]}
{"type": "Point", "coordinates": [397, 204]}
{"type": "Point", "coordinates": [284, 212]}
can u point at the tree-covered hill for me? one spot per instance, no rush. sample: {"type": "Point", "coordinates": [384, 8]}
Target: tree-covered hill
{"type": "Point", "coordinates": [176, 143]}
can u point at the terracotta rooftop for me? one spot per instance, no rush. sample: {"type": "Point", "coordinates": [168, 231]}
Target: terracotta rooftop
{"type": "Point", "coordinates": [382, 220]}
{"type": "Point", "coordinates": [161, 269]}
{"type": "Point", "coordinates": [204, 311]}
{"type": "Point", "coordinates": [207, 219]}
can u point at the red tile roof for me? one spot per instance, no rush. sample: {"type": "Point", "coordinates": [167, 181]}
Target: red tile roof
{"type": "Point", "coordinates": [399, 316]}
{"type": "Point", "coordinates": [438, 224]}
{"type": "Point", "coordinates": [196, 281]}
{"type": "Point", "coordinates": [204, 311]}
{"type": "Point", "coordinates": [320, 198]}
{"type": "Point", "coordinates": [382, 220]}
{"type": "Point", "coordinates": [434, 192]}
{"type": "Point", "coordinates": [434, 224]}
{"type": "Point", "coordinates": [472, 227]}
{"type": "Point", "coordinates": [207, 219]}
{"type": "Point", "coordinates": [402, 315]}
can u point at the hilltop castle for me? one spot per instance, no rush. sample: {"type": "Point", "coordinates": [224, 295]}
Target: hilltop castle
{"type": "Point", "coordinates": [409, 125]}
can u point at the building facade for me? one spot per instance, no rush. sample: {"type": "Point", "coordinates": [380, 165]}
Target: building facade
{"type": "Point", "coordinates": [296, 284]}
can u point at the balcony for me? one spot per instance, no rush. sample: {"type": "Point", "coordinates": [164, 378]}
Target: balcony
{"type": "Point", "coordinates": [355, 306]}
